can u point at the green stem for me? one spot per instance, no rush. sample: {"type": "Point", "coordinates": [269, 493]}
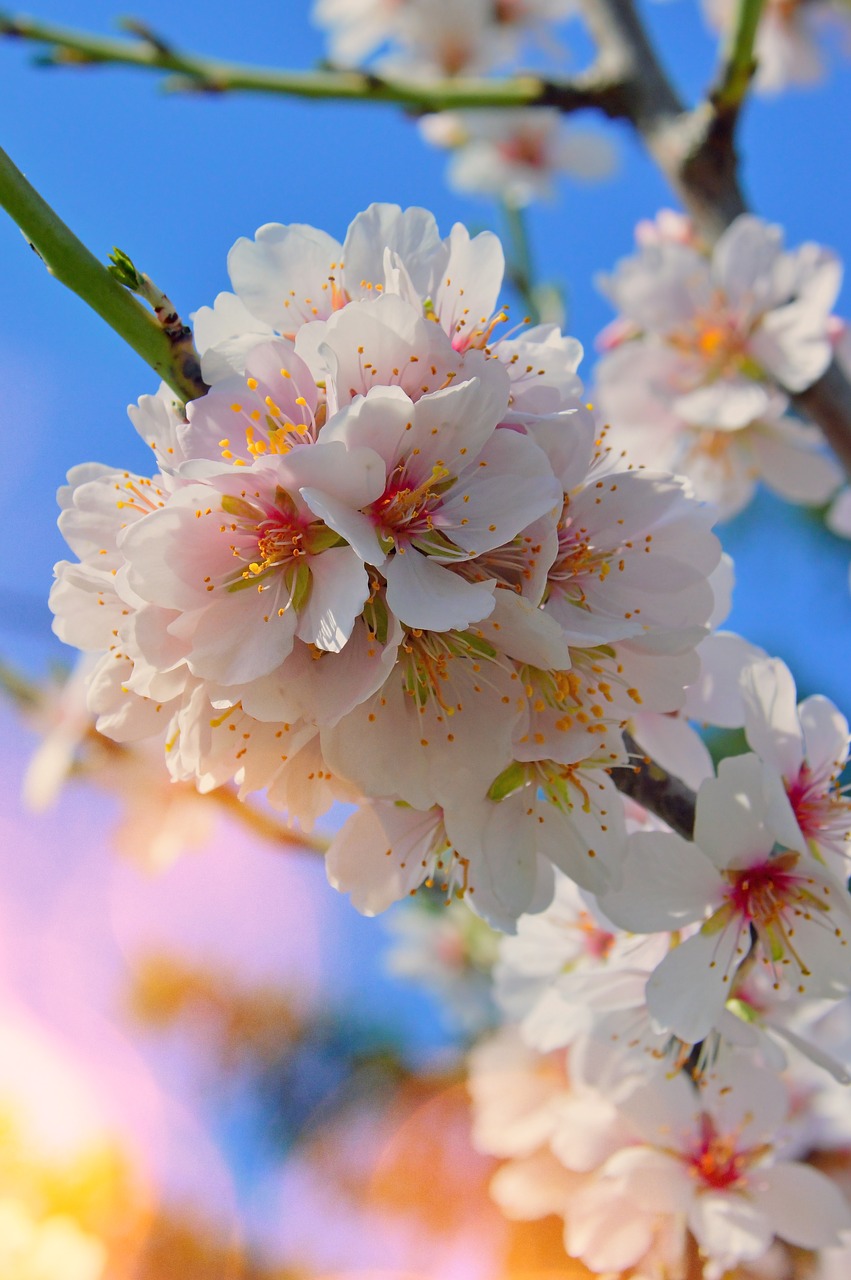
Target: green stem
{"type": "Point", "coordinates": [519, 265]}
{"type": "Point", "coordinates": [739, 63]}
{"type": "Point", "coordinates": [68, 259]}
{"type": "Point", "coordinates": [191, 71]}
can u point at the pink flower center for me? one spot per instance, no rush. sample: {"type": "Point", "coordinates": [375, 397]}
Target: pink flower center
{"type": "Point", "coordinates": [524, 148]}
{"type": "Point", "coordinates": [822, 811]}
{"type": "Point", "coordinates": [407, 508]}
{"type": "Point", "coordinates": [764, 892]}
{"type": "Point", "coordinates": [716, 1162]}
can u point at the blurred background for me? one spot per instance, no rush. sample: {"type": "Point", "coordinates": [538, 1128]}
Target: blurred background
{"type": "Point", "coordinates": [195, 1077]}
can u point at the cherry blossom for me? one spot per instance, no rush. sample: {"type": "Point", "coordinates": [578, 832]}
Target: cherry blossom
{"type": "Point", "coordinates": [804, 749]}
{"type": "Point", "coordinates": [516, 154]}
{"type": "Point", "coordinates": [703, 342]}
{"type": "Point", "coordinates": [780, 908]}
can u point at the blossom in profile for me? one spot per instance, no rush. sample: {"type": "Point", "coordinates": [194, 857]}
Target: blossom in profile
{"type": "Point", "coordinates": [517, 154]}
{"type": "Point", "coordinates": [804, 750]}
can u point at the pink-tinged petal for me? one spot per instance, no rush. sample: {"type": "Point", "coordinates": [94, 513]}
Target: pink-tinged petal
{"type": "Point", "coordinates": [423, 593]}
{"type": "Point", "coordinates": [746, 1100]}
{"type": "Point", "coordinates": [793, 345]}
{"type": "Point", "coordinates": [803, 1206]}
{"type": "Point", "coordinates": [412, 234]}
{"type": "Point", "coordinates": [667, 883]}
{"type": "Point", "coordinates": [726, 405]}
{"type": "Point", "coordinates": [385, 342]}
{"type": "Point", "coordinates": [467, 293]}
{"type": "Point", "coordinates": [357, 529]}
{"type": "Point", "coordinates": [730, 820]}
{"type": "Point", "coordinates": [454, 424]}
{"type": "Point", "coordinates": [780, 815]}
{"type": "Point", "coordinates": [533, 1187]}
{"type": "Point", "coordinates": [323, 687]}
{"type": "Point", "coordinates": [771, 716]}
{"type": "Point", "coordinates": [434, 753]}
{"type": "Point", "coordinates": [501, 848]}
{"type": "Point", "coordinates": [339, 588]}
{"type": "Point", "coordinates": [716, 697]}
{"type": "Point", "coordinates": [239, 640]}
{"type": "Point", "coordinates": [280, 275]}
{"type": "Point", "coordinates": [793, 468]}
{"type": "Point", "coordinates": [663, 1113]}
{"type": "Point", "coordinates": [744, 257]}
{"type": "Point", "coordinates": [589, 1130]}
{"type": "Point", "coordinates": [652, 1180]}
{"type": "Point", "coordinates": [607, 1234]}
{"type": "Point", "coordinates": [351, 475]}
{"type": "Point", "coordinates": [509, 485]}
{"type": "Point", "coordinates": [224, 335]}
{"type": "Point", "coordinates": [729, 1227]}
{"type": "Point", "coordinates": [688, 990]}
{"type": "Point", "coordinates": [377, 867]}
{"type": "Point", "coordinates": [673, 744]}
{"type": "Point", "coordinates": [525, 633]}
{"type": "Point", "coordinates": [825, 733]}
{"type": "Point", "coordinates": [381, 420]}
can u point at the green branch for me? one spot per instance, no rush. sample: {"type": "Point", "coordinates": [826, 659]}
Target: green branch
{"type": "Point", "coordinates": [738, 64]}
{"type": "Point", "coordinates": [68, 259]}
{"type": "Point", "coordinates": [193, 72]}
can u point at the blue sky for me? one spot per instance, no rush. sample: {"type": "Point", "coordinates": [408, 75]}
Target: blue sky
{"type": "Point", "coordinates": [175, 180]}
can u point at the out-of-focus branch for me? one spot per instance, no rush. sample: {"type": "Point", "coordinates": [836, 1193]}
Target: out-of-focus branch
{"type": "Point", "coordinates": [68, 259]}
{"type": "Point", "coordinates": [738, 62]}
{"type": "Point", "coordinates": [650, 786]}
{"type": "Point", "coordinates": [697, 157]}
{"type": "Point", "coordinates": [695, 149]}
{"type": "Point", "coordinates": [191, 71]}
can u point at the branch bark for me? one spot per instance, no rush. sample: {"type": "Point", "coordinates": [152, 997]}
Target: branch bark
{"type": "Point", "coordinates": [661, 793]}
{"type": "Point", "coordinates": [68, 259]}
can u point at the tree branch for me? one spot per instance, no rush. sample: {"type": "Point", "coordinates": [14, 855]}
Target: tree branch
{"type": "Point", "coordinates": [68, 259]}
{"type": "Point", "coordinates": [194, 72]}
{"type": "Point", "coordinates": [650, 786]}
{"type": "Point", "coordinates": [738, 62]}
{"type": "Point", "coordinates": [695, 149]}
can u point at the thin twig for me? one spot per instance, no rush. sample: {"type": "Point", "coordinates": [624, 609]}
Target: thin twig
{"type": "Point", "coordinates": [195, 72]}
{"type": "Point", "coordinates": [68, 259]}
{"type": "Point", "coordinates": [738, 63]}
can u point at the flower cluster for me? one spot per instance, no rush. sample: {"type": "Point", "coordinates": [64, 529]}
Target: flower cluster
{"type": "Point", "coordinates": [677, 1048]}
{"type": "Point", "coordinates": [693, 367]}
{"type": "Point", "coordinates": [389, 558]}
{"type": "Point", "coordinates": [435, 37]}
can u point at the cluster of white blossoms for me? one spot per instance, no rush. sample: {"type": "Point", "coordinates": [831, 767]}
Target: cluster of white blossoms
{"type": "Point", "coordinates": [512, 153]}
{"type": "Point", "coordinates": [389, 558]}
{"type": "Point", "coordinates": [697, 367]}
{"type": "Point", "coordinates": [429, 38]}
{"type": "Point", "coordinates": [672, 1079]}
{"type": "Point", "coordinates": [789, 39]}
